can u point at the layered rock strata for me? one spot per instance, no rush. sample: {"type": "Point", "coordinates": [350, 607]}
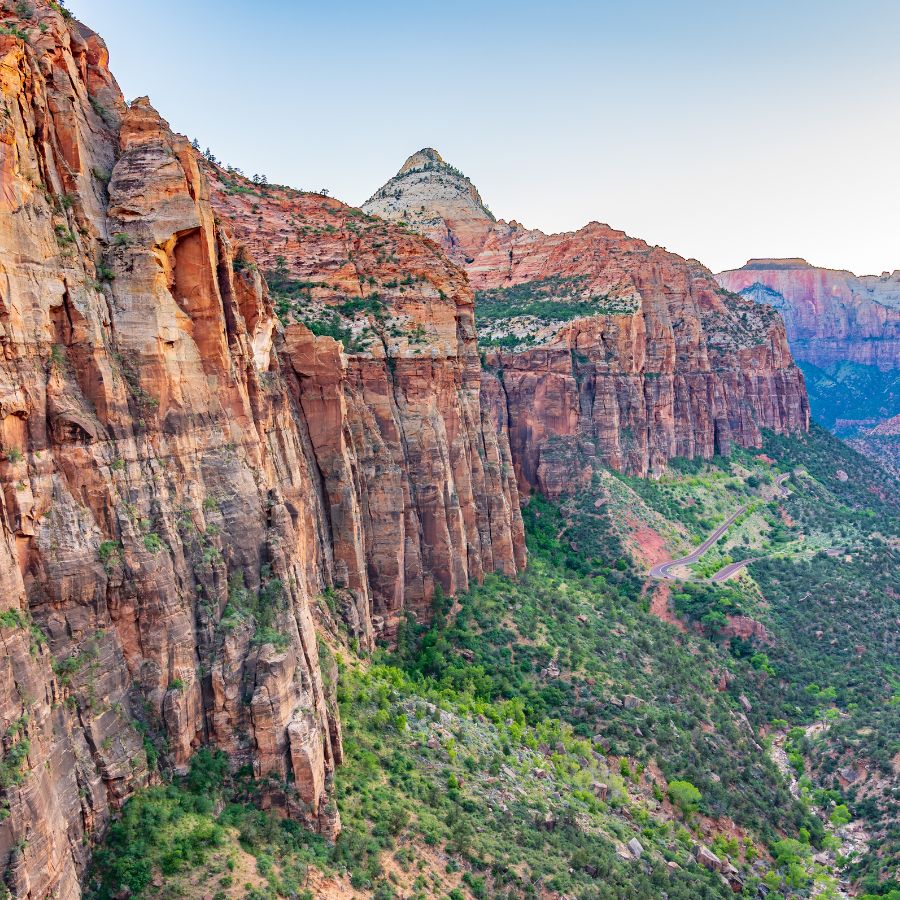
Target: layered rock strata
{"type": "Point", "coordinates": [181, 478]}
{"type": "Point", "coordinates": [380, 337]}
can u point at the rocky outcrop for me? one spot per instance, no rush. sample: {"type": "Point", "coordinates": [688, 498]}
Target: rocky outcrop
{"type": "Point", "coordinates": [419, 486]}
{"type": "Point", "coordinates": [831, 315]}
{"type": "Point", "coordinates": [159, 514]}
{"type": "Point", "coordinates": [437, 201]}
{"type": "Point", "coordinates": [603, 347]}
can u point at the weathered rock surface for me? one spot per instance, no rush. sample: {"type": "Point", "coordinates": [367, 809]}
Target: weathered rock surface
{"type": "Point", "coordinates": [707, 858]}
{"type": "Point", "coordinates": [181, 477]}
{"type": "Point", "coordinates": [831, 315]}
{"type": "Point", "coordinates": [438, 201]}
{"type": "Point", "coordinates": [415, 464]}
{"type": "Point", "coordinates": [655, 362]}
{"type": "Point", "coordinates": [155, 481]}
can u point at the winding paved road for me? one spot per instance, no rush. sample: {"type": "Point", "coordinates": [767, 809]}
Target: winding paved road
{"type": "Point", "coordinates": [663, 571]}
{"type": "Point", "coordinates": [732, 569]}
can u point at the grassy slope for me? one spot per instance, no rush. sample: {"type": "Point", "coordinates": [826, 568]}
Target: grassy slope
{"type": "Point", "coordinates": [516, 316]}
{"type": "Point", "coordinates": [851, 391]}
{"type": "Point", "coordinates": [835, 619]}
{"type": "Point", "coordinates": [829, 583]}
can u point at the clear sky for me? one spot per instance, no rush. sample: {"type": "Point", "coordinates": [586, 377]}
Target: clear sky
{"type": "Point", "coordinates": [721, 130]}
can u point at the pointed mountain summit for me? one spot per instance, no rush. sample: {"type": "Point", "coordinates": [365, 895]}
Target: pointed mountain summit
{"type": "Point", "coordinates": [438, 201]}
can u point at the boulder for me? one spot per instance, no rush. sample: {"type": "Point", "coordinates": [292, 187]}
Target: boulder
{"type": "Point", "coordinates": [708, 859]}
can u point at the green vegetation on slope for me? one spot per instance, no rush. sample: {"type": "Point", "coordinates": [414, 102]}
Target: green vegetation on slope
{"type": "Point", "coordinates": [834, 618]}
{"type": "Point", "coordinates": [824, 586]}
{"type": "Point", "coordinates": [517, 807]}
{"type": "Point", "coordinates": [509, 317]}
{"type": "Point", "coordinates": [192, 835]}
{"type": "Point", "coordinates": [520, 742]}
{"type": "Point", "coordinates": [852, 392]}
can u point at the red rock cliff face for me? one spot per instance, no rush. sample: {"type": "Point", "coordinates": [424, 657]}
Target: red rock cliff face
{"type": "Point", "coordinates": [655, 362]}
{"type": "Point", "coordinates": [181, 477]}
{"type": "Point", "coordinates": [160, 518]}
{"type": "Point", "coordinates": [419, 481]}
{"type": "Point", "coordinates": [831, 315]}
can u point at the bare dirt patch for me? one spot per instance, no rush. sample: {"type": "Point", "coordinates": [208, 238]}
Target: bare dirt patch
{"type": "Point", "coordinates": [659, 606]}
{"type": "Point", "coordinates": [649, 546]}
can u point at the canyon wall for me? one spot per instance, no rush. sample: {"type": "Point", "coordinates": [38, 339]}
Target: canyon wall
{"type": "Point", "coordinates": [200, 466]}
{"type": "Point", "coordinates": [186, 484]}
{"type": "Point", "coordinates": [421, 470]}
{"type": "Point", "coordinates": [604, 348]}
{"type": "Point", "coordinates": [844, 331]}
{"type": "Point", "coordinates": [831, 315]}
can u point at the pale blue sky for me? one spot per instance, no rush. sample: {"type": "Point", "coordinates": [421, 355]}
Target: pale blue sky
{"type": "Point", "coordinates": [720, 130]}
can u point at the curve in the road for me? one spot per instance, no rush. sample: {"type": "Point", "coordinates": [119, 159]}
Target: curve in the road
{"type": "Point", "coordinates": [731, 569]}
{"type": "Point", "coordinates": [663, 571]}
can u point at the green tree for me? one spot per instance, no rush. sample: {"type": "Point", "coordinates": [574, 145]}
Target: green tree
{"type": "Point", "coordinates": [840, 815]}
{"type": "Point", "coordinates": [685, 796]}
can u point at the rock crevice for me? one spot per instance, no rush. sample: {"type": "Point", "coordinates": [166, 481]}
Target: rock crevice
{"type": "Point", "coordinates": [182, 478]}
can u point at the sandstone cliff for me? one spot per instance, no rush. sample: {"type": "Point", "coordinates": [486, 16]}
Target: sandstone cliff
{"type": "Point", "coordinates": [831, 315]}
{"type": "Point", "coordinates": [181, 478]}
{"type": "Point", "coordinates": [599, 346]}
{"type": "Point", "coordinates": [419, 481]}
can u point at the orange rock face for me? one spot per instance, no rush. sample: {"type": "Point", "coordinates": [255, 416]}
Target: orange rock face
{"type": "Point", "coordinates": [658, 363]}
{"type": "Point", "coordinates": [160, 514]}
{"type": "Point", "coordinates": [746, 628]}
{"type": "Point", "coordinates": [182, 476]}
{"type": "Point", "coordinates": [419, 480]}
{"type": "Point", "coordinates": [831, 315]}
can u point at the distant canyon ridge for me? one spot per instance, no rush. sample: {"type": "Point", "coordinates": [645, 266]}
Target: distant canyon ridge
{"type": "Point", "coordinates": [604, 347]}
{"type": "Point", "coordinates": [844, 331]}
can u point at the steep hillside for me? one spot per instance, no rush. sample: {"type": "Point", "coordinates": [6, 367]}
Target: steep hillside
{"type": "Point", "coordinates": [268, 625]}
{"type": "Point", "coordinates": [567, 734]}
{"type": "Point", "coordinates": [433, 491]}
{"type": "Point", "coordinates": [881, 443]}
{"type": "Point", "coordinates": [604, 347]}
{"type": "Point", "coordinates": [815, 610]}
{"type": "Point", "coordinates": [844, 331]}
{"type": "Point", "coordinates": [154, 539]}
